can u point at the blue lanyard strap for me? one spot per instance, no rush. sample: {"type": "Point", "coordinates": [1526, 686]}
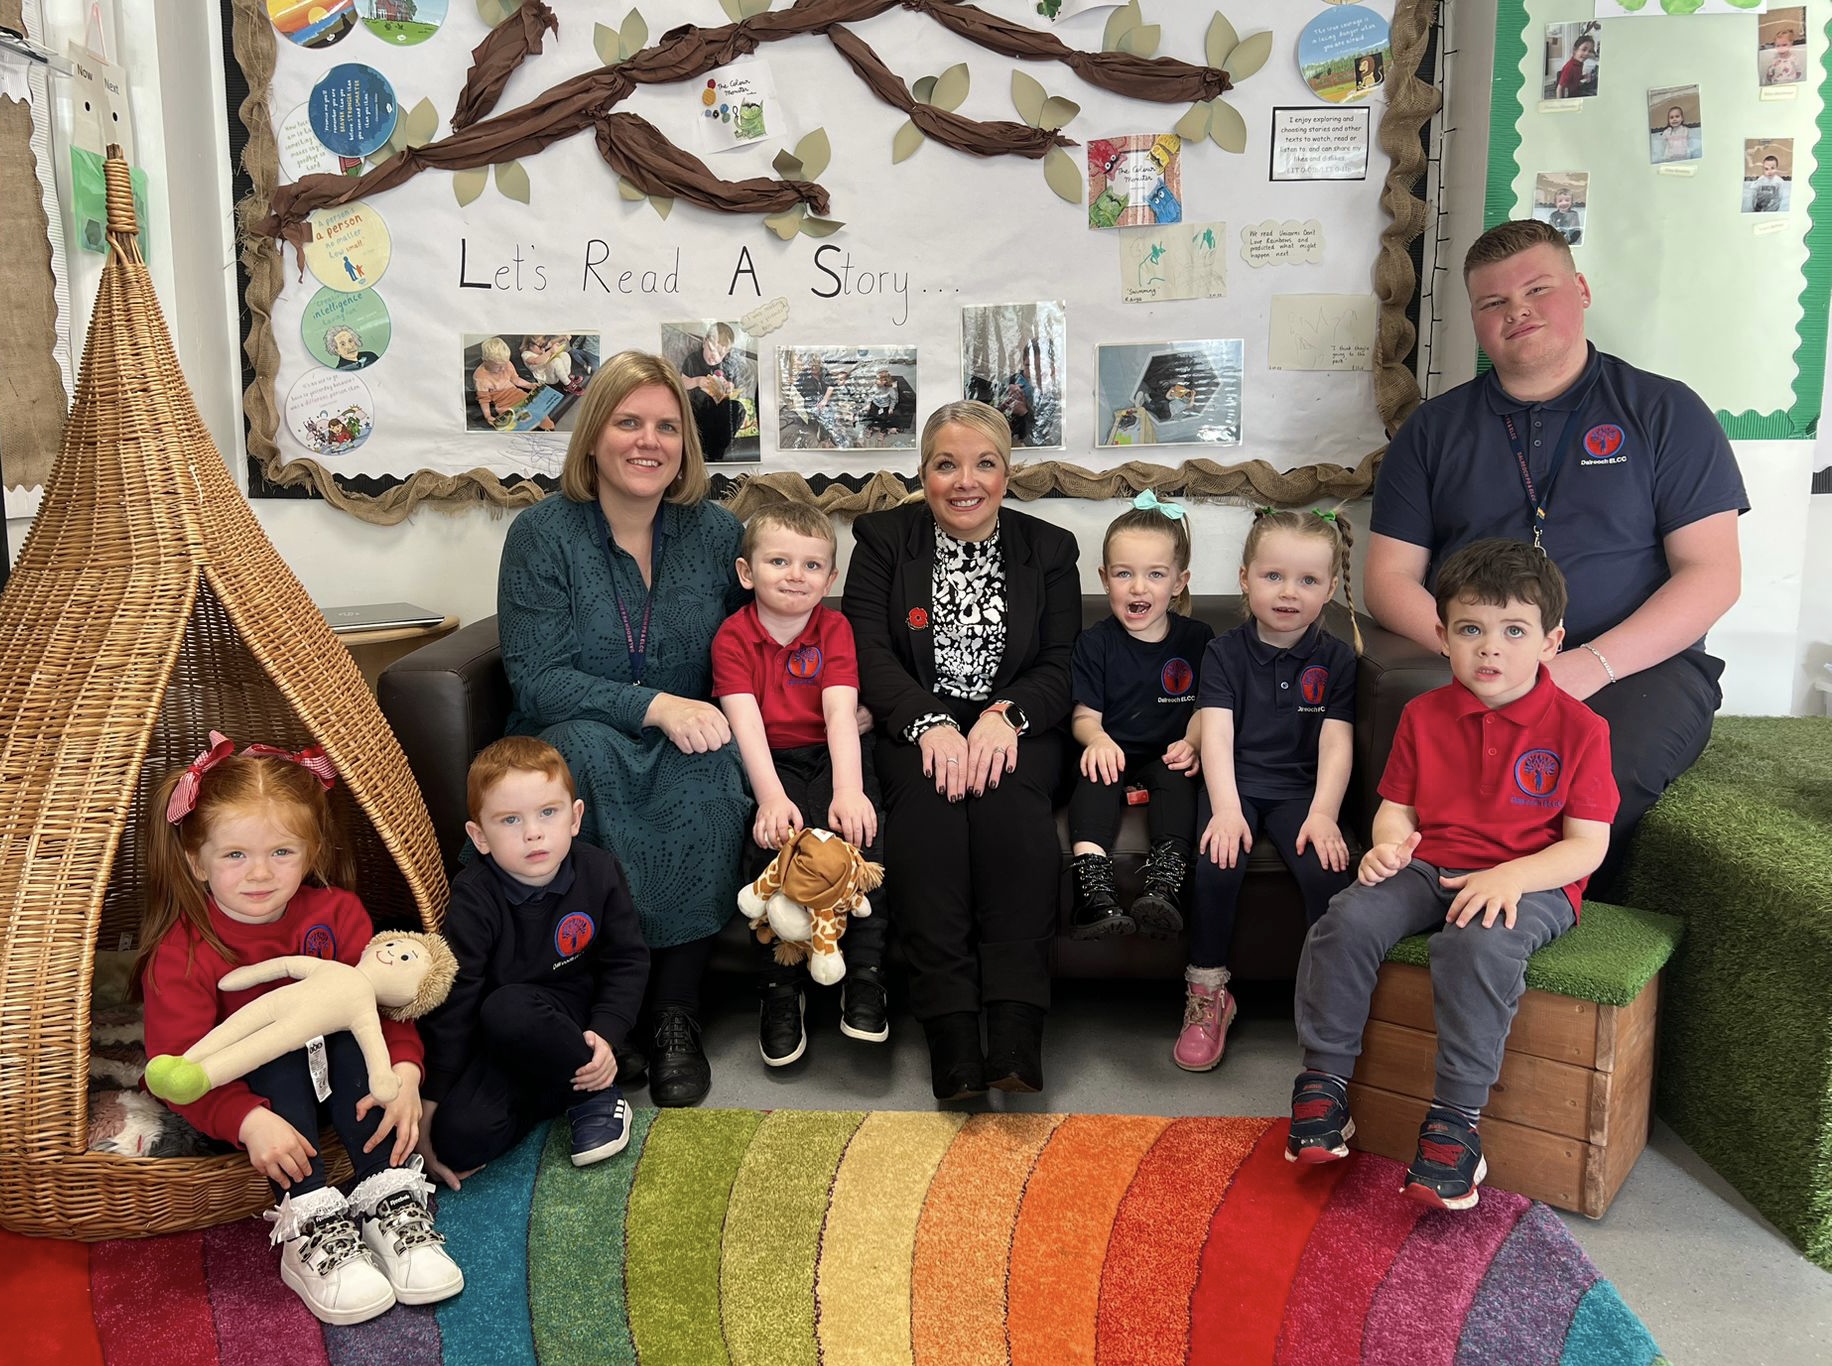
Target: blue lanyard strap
{"type": "Point", "coordinates": [637, 645]}
{"type": "Point", "coordinates": [1540, 498]}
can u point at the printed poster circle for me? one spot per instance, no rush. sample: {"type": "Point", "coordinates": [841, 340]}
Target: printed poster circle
{"type": "Point", "coordinates": [1343, 53]}
{"type": "Point", "coordinates": [404, 22]}
{"type": "Point", "coordinates": [302, 154]}
{"type": "Point", "coordinates": [313, 23]}
{"type": "Point", "coordinates": [346, 331]}
{"type": "Point", "coordinates": [350, 247]}
{"type": "Point", "coordinates": [353, 109]}
{"type": "Point", "coordinates": [330, 412]}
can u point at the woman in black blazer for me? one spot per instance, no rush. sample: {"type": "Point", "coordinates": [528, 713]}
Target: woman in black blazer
{"type": "Point", "coordinates": [965, 613]}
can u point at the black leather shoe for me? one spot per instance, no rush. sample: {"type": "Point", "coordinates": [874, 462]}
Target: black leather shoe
{"type": "Point", "coordinates": [1014, 1046]}
{"type": "Point", "coordinates": [1097, 913]}
{"type": "Point", "coordinates": [678, 1071]}
{"type": "Point", "coordinates": [957, 1070]}
{"type": "Point", "coordinates": [864, 1007]}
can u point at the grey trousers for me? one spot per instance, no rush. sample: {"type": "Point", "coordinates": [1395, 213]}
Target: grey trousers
{"type": "Point", "coordinates": [1477, 975]}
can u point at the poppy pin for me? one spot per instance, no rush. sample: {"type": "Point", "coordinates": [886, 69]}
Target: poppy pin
{"type": "Point", "coordinates": [918, 619]}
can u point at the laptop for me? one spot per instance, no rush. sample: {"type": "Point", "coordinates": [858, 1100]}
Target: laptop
{"type": "Point", "coordinates": [381, 616]}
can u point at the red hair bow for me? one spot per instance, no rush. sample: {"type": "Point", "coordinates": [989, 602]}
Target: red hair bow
{"type": "Point", "coordinates": [184, 796]}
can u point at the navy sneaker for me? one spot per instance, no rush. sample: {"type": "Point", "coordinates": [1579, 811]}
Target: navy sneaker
{"type": "Point", "coordinates": [1320, 1123]}
{"type": "Point", "coordinates": [600, 1126]}
{"type": "Point", "coordinates": [1449, 1165]}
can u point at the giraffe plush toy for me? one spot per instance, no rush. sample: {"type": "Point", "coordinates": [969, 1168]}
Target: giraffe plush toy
{"type": "Point", "coordinates": [802, 900]}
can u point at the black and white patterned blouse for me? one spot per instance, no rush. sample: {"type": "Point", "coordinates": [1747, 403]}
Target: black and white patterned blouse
{"type": "Point", "coordinates": [968, 585]}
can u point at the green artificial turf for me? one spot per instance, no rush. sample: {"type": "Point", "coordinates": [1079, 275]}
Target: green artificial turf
{"type": "Point", "coordinates": [1608, 958]}
{"type": "Point", "coordinates": [1741, 849]}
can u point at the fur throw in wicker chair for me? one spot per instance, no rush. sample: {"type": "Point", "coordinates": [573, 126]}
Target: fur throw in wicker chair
{"type": "Point", "coordinates": [803, 898]}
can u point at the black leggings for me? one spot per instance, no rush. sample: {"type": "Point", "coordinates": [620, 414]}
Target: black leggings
{"type": "Point", "coordinates": [676, 972]}
{"type": "Point", "coordinates": [1218, 889]}
{"type": "Point", "coordinates": [286, 1085]}
{"type": "Point", "coordinates": [1095, 808]}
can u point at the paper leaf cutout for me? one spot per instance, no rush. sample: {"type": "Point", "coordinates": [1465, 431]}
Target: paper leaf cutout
{"type": "Point", "coordinates": [635, 33]}
{"type": "Point", "coordinates": [421, 124]}
{"type": "Point", "coordinates": [629, 191]}
{"type": "Point", "coordinates": [493, 12]}
{"type": "Point", "coordinates": [662, 204]}
{"type": "Point", "coordinates": [1194, 126]}
{"type": "Point", "coordinates": [904, 145]}
{"type": "Point", "coordinates": [1221, 40]}
{"type": "Point", "coordinates": [1119, 23]}
{"type": "Point", "coordinates": [1141, 41]}
{"type": "Point", "coordinates": [1227, 129]}
{"type": "Point", "coordinates": [607, 45]}
{"type": "Point", "coordinates": [924, 89]}
{"type": "Point", "coordinates": [820, 227]}
{"type": "Point", "coordinates": [752, 8]}
{"type": "Point", "coordinates": [1063, 175]}
{"type": "Point", "coordinates": [1027, 95]}
{"type": "Point", "coordinates": [467, 185]}
{"type": "Point", "coordinates": [512, 180]}
{"type": "Point", "coordinates": [786, 225]}
{"type": "Point", "coordinates": [735, 12]}
{"type": "Point", "coordinates": [1249, 56]}
{"type": "Point", "coordinates": [1057, 111]}
{"type": "Point", "coordinates": [951, 87]}
{"type": "Point", "coordinates": [814, 152]}
{"type": "Point", "coordinates": [787, 165]}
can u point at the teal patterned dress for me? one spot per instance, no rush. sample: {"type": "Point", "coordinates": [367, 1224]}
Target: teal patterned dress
{"type": "Point", "coordinates": [676, 821]}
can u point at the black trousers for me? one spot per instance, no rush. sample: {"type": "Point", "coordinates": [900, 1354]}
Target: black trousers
{"type": "Point", "coordinates": [286, 1085]}
{"type": "Point", "coordinates": [1095, 808]}
{"type": "Point", "coordinates": [806, 773]}
{"type": "Point", "coordinates": [531, 1039]}
{"type": "Point", "coordinates": [1659, 723]}
{"type": "Point", "coordinates": [973, 885]}
{"type": "Point", "coordinates": [1218, 889]}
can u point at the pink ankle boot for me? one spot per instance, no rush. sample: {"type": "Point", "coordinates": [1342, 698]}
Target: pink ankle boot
{"type": "Point", "coordinates": [1208, 1010]}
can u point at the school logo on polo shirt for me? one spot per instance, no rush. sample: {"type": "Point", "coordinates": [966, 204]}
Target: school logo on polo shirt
{"type": "Point", "coordinates": [320, 942]}
{"type": "Point", "coordinates": [1176, 678]}
{"type": "Point", "coordinates": [804, 666]}
{"type": "Point", "coordinates": [1536, 773]}
{"type": "Point", "coordinates": [1603, 445]}
{"type": "Point", "coordinates": [572, 934]}
{"type": "Point", "coordinates": [1313, 685]}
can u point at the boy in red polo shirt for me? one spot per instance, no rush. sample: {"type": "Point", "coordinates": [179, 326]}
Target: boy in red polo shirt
{"type": "Point", "coordinates": [1496, 807]}
{"type": "Point", "coordinates": [785, 670]}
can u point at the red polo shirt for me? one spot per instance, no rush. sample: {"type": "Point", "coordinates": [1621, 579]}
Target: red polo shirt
{"type": "Point", "coordinates": [1493, 785]}
{"type": "Point", "coordinates": [787, 680]}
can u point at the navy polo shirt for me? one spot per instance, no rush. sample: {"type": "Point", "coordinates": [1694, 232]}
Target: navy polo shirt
{"type": "Point", "coordinates": [1645, 457]}
{"type": "Point", "coordinates": [1280, 700]}
{"type": "Point", "coordinates": [1145, 691]}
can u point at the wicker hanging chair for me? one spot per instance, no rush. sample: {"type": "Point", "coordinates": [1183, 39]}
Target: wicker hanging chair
{"type": "Point", "coordinates": [147, 608]}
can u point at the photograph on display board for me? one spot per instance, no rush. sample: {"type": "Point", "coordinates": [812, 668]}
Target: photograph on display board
{"type": "Point", "coordinates": [718, 362]}
{"type": "Point", "coordinates": [842, 398]}
{"type": "Point", "coordinates": [1574, 54]}
{"type": "Point", "coordinates": [526, 381]}
{"type": "Point", "coordinates": [1781, 46]}
{"type": "Point", "coordinates": [1674, 124]}
{"type": "Point", "coordinates": [1561, 199]}
{"type": "Point", "coordinates": [1768, 175]}
{"type": "Point", "coordinates": [1012, 356]}
{"type": "Point", "coordinates": [1134, 182]}
{"type": "Point", "coordinates": [1168, 393]}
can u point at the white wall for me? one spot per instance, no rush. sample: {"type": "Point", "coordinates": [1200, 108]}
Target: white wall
{"type": "Point", "coordinates": [1774, 640]}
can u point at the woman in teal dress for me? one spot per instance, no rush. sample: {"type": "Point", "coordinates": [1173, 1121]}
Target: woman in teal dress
{"type": "Point", "coordinates": [608, 599]}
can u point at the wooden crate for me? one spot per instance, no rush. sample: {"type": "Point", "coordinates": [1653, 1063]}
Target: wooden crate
{"type": "Point", "coordinates": [1569, 1115]}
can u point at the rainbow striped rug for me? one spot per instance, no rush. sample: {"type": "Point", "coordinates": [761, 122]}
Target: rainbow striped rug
{"type": "Point", "coordinates": [881, 1238]}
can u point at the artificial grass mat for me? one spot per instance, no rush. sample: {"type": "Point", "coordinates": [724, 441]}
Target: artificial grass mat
{"type": "Point", "coordinates": [1608, 957]}
{"type": "Point", "coordinates": [1740, 848]}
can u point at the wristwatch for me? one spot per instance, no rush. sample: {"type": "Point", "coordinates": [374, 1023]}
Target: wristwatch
{"type": "Point", "coordinates": [1011, 713]}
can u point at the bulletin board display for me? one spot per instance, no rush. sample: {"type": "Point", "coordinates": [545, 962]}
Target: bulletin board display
{"type": "Point", "coordinates": [1681, 152]}
{"type": "Point", "coordinates": [1189, 303]}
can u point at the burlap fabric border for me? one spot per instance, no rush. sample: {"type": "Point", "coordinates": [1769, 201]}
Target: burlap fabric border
{"type": "Point", "coordinates": [1411, 103]}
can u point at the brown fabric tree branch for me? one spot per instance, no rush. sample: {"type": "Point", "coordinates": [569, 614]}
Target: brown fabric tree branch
{"type": "Point", "coordinates": [495, 59]}
{"type": "Point", "coordinates": [641, 153]}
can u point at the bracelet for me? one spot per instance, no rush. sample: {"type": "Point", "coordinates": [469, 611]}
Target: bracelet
{"type": "Point", "coordinates": [1600, 659]}
{"type": "Point", "coordinates": [914, 731]}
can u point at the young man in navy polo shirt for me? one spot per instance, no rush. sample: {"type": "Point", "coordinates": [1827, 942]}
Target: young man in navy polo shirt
{"type": "Point", "coordinates": [1625, 479]}
{"type": "Point", "coordinates": [1495, 811]}
{"type": "Point", "coordinates": [786, 673]}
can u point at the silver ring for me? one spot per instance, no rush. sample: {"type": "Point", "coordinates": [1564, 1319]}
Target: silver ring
{"type": "Point", "coordinates": [997, 750]}
{"type": "Point", "coordinates": [954, 761]}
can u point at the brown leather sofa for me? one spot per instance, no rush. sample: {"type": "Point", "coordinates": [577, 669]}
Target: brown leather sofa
{"type": "Point", "coordinates": [451, 698]}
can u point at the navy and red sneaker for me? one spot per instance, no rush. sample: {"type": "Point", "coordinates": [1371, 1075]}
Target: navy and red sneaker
{"type": "Point", "coordinates": [1320, 1123]}
{"type": "Point", "coordinates": [1449, 1164]}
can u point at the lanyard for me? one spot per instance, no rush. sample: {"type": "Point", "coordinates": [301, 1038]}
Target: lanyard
{"type": "Point", "coordinates": [637, 645]}
{"type": "Point", "coordinates": [1539, 499]}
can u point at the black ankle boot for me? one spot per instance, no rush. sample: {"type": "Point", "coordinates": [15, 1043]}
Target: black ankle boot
{"type": "Point", "coordinates": [957, 1068]}
{"type": "Point", "coordinates": [1097, 912]}
{"type": "Point", "coordinates": [1159, 909]}
{"type": "Point", "coordinates": [1014, 1046]}
{"type": "Point", "coordinates": [678, 1071]}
